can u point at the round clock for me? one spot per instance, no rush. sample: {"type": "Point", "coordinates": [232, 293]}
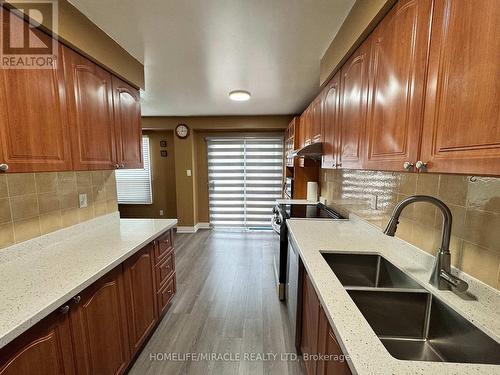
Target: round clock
{"type": "Point", "coordinates": [182, 131]}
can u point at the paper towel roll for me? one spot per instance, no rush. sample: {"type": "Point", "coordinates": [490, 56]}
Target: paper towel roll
{"type": "Point", "coordinates": [312, 191]}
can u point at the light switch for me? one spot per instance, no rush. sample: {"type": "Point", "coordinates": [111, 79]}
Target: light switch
{"type": "Point", "coordinates": [188, 172]}
{"type": "Point", "coordinates": [161, 212]}
{"type": "Point", "coordinates": [83, 200]}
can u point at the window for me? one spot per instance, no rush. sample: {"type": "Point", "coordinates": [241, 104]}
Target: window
{"type": "Point", "coordinates": [245, 178]}
{"type": "Point", "coordinates": [134, 185]}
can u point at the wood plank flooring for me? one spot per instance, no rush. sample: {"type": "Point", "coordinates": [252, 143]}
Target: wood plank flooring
{"type": "Point", "coordinates": [226, 303]}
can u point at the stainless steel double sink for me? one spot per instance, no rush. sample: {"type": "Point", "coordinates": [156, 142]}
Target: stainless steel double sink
{"type": "Point", "coordinates": [411, 322]}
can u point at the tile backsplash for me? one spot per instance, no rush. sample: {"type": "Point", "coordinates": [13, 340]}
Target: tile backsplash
{"type": "Point", "coordinates": [473, 201]}
{"type": "Point", "coordinates": [32, 204]}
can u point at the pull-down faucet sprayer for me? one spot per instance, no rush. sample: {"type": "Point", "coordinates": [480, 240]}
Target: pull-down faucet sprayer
{"type": "Point", "coordinates": [441, 276]}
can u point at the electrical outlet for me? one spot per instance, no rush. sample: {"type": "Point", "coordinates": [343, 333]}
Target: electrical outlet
{"type": "Point", "coordinates": [188, 172]}
{"type": "Point", "coordinates": [161, 212]}
{"type": "Point", "coordinates": [82, 198]}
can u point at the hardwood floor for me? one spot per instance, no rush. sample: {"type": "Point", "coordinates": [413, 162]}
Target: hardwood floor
{"type": "Point", "coordinates": [226, 302]}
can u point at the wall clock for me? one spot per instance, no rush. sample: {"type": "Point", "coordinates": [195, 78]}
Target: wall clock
{"type": "Point", "coordinates": [182, 131]}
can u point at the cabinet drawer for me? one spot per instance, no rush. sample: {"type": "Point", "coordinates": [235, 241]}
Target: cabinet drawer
{"type": "Point", "coordinates": [163, 245]}
{"type": "Point", "coordinates": [165, 269]}
{"type": "Point", "coordinates": [166, 294]}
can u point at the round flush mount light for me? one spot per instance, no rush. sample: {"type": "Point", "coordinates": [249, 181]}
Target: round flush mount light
{"type": "Point", "coordinates": [239, 95]}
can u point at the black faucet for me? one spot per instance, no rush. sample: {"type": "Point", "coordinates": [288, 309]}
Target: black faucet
{"type": "Point", "coordinates": [441, 276]}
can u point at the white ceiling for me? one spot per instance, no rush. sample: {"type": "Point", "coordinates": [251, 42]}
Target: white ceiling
{"type": "Point", "coordinates": [196, 51]}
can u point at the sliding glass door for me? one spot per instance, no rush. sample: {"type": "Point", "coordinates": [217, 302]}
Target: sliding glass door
{"type": "Point", "coordinates": [245, 178]}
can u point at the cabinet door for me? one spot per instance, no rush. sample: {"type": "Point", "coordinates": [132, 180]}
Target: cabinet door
{"type": "Point", "coordinates": [126, 102]}
{"type": "Point", "coordinates": [306, 126]}
{"type": "Point", "coordinates": [353, 101]}
{"type": "Point", "coordinates": [33, 116]}
{"type": "Point", "coordinates": [140, 296]}
{"type": "Point", "coordinates": [44, 349]}
{"type": "Point", "coordinates": [330, 122]}
{"type": "Point", "coordinates": [330, 349]}
{"type": "Point", "coordinates": [99, 327]}
{"type": "Point", "coordinates": [397, 76]}
{"type": "Point", "coordinates": [90, 99]}
{"type": "Point", "coordinates": [316, 120]}
{"type": "Point", "coordinates": [310, 316]}
{"type": "Point", "coordinates": [461, 132]}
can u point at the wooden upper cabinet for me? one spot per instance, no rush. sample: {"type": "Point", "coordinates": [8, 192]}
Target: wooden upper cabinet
{"type": "Point", "coordinates": [461, 132]}
{"type": "Point", "coordinates": [315, 127]}
{"type": "Point", "coordinates": [306, 126]}
{"type": "Point", "coordinates": [44, 349]}
{"type": "Point", "coordinates": [33, 116]}
{"type": "Point", "coordinates": [140, 296]}
{"type": "Point", "coordinates": [90, 100]}
{"type": "Point", "coordinates": [353, 102]}
{"type": "Point", "coordinates": [127, 109]}
{"type": "Point", "coordinates": [99, 327]}
{"type": "Point", "coordinates": [397, 75]}
{"type": "Point", "coordinates": [330, 114]}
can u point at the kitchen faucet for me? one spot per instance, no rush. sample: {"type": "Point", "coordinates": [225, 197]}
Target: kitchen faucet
{"type": "Point", "coordinates": [441, 276]}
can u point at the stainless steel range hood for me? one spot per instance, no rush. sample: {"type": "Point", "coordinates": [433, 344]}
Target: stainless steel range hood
{"type": "Point", "coordinates": [312, 151]}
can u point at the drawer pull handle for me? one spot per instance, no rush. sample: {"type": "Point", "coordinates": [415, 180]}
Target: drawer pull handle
{"type": "Point", "coordinates": [64, 309]}
{"type": "Point", "coordinates": [77, 299]}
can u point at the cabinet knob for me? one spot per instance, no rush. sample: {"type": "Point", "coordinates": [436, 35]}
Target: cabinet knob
{"type": "Point", "coordinates": [421, 165]}
{"type": "Point", "coordinates": [117, 166]}
{"type": "Point", "coordinates": [64, 309]}
{"type": "Point", "coordinates": [408, 165]}
{"type": "Point", "coordinates": [77, 299]}
{"type": "Point", "coordinates": [4, 167]}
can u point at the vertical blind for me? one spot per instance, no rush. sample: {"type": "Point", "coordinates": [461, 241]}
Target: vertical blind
{"type": "Point", "coordinates": [245, 178]}
{"type": "Point", "coordinates": [133, 186]}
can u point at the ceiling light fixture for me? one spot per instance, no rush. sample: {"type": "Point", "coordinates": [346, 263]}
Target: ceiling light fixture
{"type": "Point", "coordinates": [239, 95]}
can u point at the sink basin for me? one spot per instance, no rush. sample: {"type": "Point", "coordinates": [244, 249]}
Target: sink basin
{"type": "Point", "coordinates": [368, 270]}
{"type": "Point", "coordinates": [420, 327]}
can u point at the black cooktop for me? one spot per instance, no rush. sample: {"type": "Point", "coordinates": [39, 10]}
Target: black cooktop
{"type": "Point", "coordinates": [310, 211]}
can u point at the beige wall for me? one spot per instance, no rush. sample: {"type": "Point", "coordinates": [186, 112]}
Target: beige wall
{"type": "Point", "coordinates": [361, 20]}
{"type": "Point", "coordinates": [163, 180]}
{"type": "Point", "coordinates": [78, 32]}
{"type": "Point", "coordinates": [475, 204]}
{"type": "Point", "coordinates": [32, 204]}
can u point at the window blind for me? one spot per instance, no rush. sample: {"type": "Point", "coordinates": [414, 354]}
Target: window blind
{"type": "Point", "coordinates": [133, 186]}
{"type": "Point", "coordinates": [245, 178]}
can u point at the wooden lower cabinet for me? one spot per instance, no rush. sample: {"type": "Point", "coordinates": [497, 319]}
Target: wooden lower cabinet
{"type": "Point", "coordinates": [99, 327]}
{"type": "Point", "coordinates": [329, 348]}
{"type": "Point", "coordinates": [320, 349]}
{"type": "Point", "coordinates": [310, 316]}
{"type": "Point", "coordinates": [44, 349]}
{"type": "Point", "coordinates": [142, 312]}
{"type": "Point", "coordinates": [101, 330]}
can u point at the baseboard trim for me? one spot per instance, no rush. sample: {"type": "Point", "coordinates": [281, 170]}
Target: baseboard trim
{"type": "Point", "coordinates": [192, 229]}
{"type": "Point", "coordinates": [203, 225]}
{"type": "Point", "coordinates": [186, 229]}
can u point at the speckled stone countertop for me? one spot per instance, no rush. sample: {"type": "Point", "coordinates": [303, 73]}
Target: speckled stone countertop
{"type": "Point", "coordinates": [40, 275]}
{"type": "Point", "coordinates": [294, 201]}
{"type": "Point", "coordinates": [367, 354]}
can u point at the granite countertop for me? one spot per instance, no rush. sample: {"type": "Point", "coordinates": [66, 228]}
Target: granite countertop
{"type": "Point", "coordinates": [40, 275]}
{"type": "Point", "coordinates": [295, 201]}
{"type": "Point", "coordinates": [367, 354]}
